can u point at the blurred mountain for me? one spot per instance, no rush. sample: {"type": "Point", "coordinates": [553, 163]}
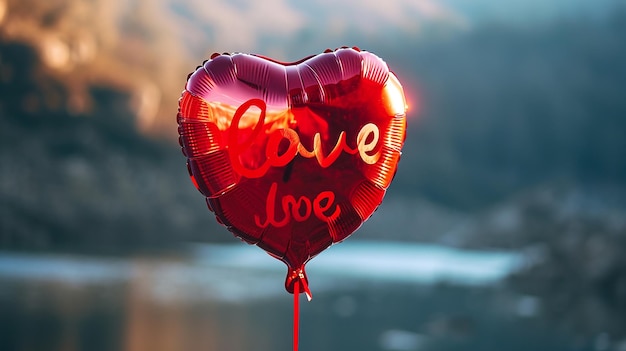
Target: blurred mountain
{"type": "Point", "coordinates": [502, 109]}
{"type": "Point", "coordinates": [85, 181]}
{"type": "Point", "coordinates": [88, 95]}
{"type": "Point", "coordinates": [148, 47]}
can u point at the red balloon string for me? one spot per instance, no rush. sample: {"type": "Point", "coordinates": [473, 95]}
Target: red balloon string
{"type": "Point", "coordinates": [296, 306]}
{"type": "Point", "coordinates": [296, 315]}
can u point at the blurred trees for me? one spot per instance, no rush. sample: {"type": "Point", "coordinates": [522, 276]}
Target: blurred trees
{"type": "Point", "coordinates": [86, 181]}
{"type": "Point", "coordinates": [504, 109]}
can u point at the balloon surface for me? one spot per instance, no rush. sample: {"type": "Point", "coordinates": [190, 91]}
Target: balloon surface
{"type": "Point", "coordinates": [293, 157]}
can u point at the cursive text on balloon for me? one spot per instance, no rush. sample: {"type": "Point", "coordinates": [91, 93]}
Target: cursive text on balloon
{"type": "Point", "coordinates": [367, 140]}
{"type": "Point", "coordinates": [299, 209]}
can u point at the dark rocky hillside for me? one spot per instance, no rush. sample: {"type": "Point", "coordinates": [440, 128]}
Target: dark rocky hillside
{"type": "Point", "coordinates": [86, 181]}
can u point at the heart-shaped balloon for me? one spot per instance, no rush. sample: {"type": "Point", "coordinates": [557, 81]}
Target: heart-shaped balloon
{"type": "Point", "coordinates": [293, 157]}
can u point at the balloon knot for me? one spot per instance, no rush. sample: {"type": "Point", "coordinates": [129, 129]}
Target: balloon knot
{"type": "Point", "coordinates": [297, 282]}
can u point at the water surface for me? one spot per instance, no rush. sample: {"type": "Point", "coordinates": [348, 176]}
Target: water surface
{"type": "Point", "coordinates": [367, 296]}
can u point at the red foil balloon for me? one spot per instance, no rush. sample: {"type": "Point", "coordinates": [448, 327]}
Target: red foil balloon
{"type": "Point", "coordinates": [293, 157]}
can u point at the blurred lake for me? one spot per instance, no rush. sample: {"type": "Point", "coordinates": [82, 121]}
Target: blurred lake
{"type": "Point", "coordinates": [367, 295]}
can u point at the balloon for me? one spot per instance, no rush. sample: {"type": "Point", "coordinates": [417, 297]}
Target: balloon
{"type": "Point", "coordinates": [293, 157]}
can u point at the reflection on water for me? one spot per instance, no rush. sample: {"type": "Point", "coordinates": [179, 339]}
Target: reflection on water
{"type": "Point", "coordinates": [367, 296]}
{"type": "Point", "coordinates": [242, 272]}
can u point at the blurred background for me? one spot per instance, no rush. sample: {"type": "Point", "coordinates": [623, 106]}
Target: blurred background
{"type": "Point", "coordinates": [505, 228]}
